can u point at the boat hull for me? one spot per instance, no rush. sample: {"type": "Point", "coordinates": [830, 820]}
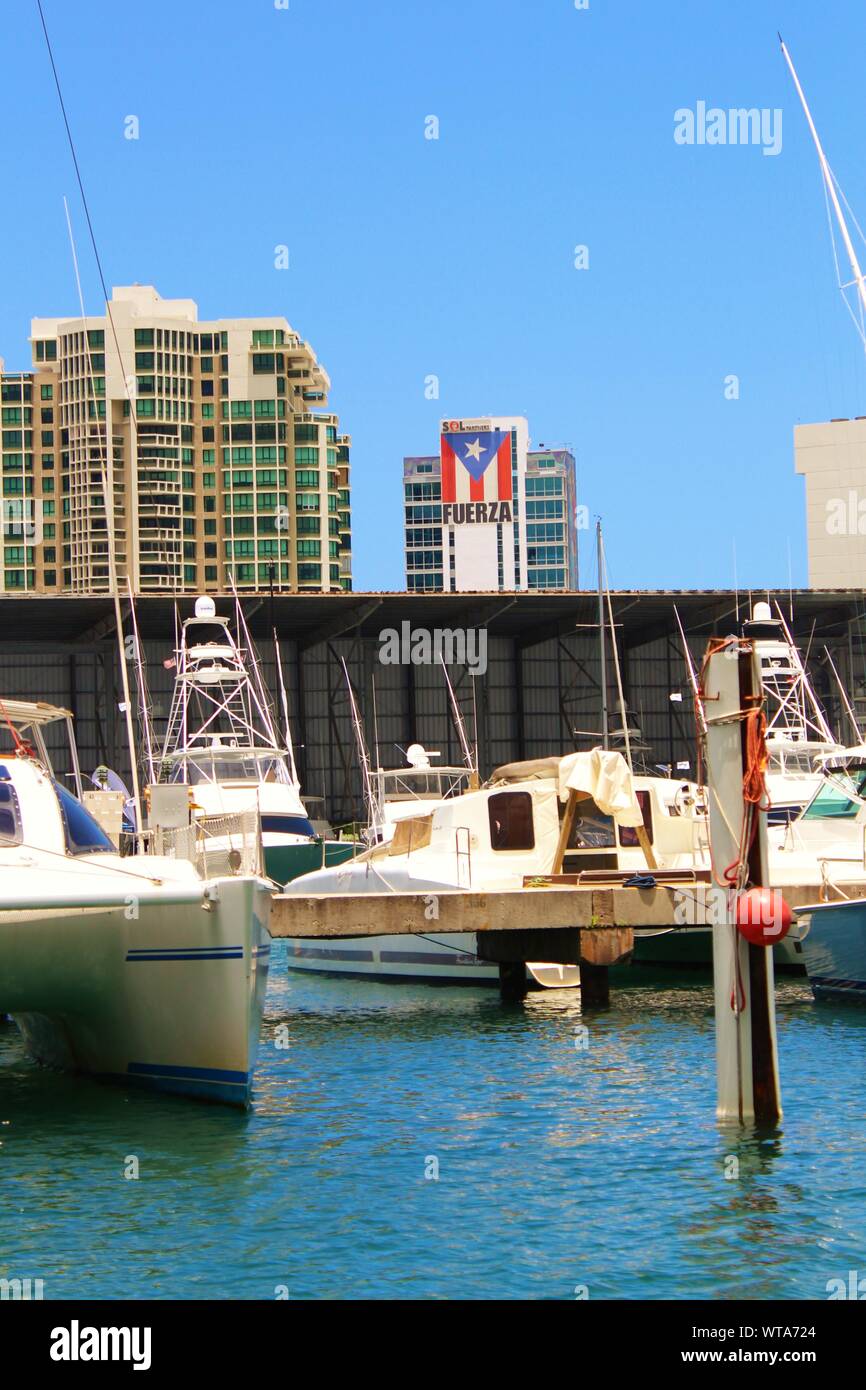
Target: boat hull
{"type": "Point", "coordinates": [284, 862]}
{"type": "Point", "coordinates": [166, 995]}
{"type": "Point", "coordinates": [449, 959]}
{"type": "Point", "coordinates": [834, 950]}
{"type": "Point", "coordinates": [689, 946]}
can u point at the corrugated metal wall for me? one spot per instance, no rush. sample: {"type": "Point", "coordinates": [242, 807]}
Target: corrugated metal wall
{"type": "Point", "coordinates": [534, 699]}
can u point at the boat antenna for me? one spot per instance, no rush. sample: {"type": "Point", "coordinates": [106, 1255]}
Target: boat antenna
{"type": "Point", "coordinates": [108, 503]}
{"type": "Point", "coordinates": [693, 675]}
{"type": "Point", "coordinates": [602, 640]}
{"type": "Point", "coordinates": [141, 679]}
{"type": "Point", "coordinates": [374, 814]}
{"type": "Point", "coordinates": [288, 728]}
{"type": "Point", "coordinates": [844, 694]}
{"type": "Point", "coordinates": [459, 723]}
{"type": "Point", "coordinates": [831, 187]}
{"type": "Point", "coordinates": [602, 576]}
{"type": "Point", "coordinates": [375, 722]}
{"type": "Point", "coordinates": [258, 693]}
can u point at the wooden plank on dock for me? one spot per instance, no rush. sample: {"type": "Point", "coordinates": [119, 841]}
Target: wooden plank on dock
{"type": "Point", "coordinates": [523, 909]}
{"type": "Point", "coordinates": [397, 914]}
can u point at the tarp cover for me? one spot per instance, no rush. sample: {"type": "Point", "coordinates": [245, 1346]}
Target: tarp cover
{"type": "Point", "coordinates": [601, 774]}
{"type": "Point", "coordinates": [605, 777]}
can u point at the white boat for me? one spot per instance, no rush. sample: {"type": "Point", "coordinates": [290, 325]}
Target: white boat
{"type": "Point", "coordinates": [221, 740]}
{"type": "Point", "coordinates": [414, 790]}
{"type": "Point", "coordinates": [133, 969]}
{"type": "Point", "coordinates": [492, 837]}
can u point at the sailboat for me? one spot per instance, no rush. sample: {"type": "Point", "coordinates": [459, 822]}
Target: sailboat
{"type": "Point", "coordinates": [221, 741]}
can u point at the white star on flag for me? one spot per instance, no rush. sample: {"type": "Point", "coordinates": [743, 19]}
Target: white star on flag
{"type": "Point", "coordinates": [474, 450]}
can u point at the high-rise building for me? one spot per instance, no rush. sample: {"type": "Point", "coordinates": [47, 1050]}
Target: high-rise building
{"type": "Point", "coordinates": [832, 456]}
{"type": "Point", "coordinates": [486, 513]}
{"type": "Point", "coordinates": [220, 455]}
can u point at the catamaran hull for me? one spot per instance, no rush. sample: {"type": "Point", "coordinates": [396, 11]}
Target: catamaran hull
{"type": "Point", "coordinates": [448, 959]}
{"type": "Point", "coordinates": [161, 993]}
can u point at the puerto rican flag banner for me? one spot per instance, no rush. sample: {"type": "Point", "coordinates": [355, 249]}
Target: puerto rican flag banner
{"type": "Point", "coordinates": [476, 466]}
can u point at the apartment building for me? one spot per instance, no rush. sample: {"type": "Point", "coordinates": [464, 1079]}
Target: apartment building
{"type": "Point", "coordinates": [209, 443]}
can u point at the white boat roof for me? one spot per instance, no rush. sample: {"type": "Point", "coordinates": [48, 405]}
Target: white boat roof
{"type": "Point", "coordinates": [25, 713]}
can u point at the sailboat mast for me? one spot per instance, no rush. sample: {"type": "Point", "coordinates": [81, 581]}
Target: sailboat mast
{"type": "Point", "coordinates": [829, 182]}
{"type": "Point", "coordinates": [605, 721]}
{"type": "Point", "coordinates": [107, 483]}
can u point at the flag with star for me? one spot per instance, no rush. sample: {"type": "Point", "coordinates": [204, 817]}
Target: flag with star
{"type": "Point", "coordinates": [476, 466]}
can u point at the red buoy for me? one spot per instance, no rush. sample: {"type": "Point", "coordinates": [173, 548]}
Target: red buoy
{"type": "Point", "coordinates": [762, 916]}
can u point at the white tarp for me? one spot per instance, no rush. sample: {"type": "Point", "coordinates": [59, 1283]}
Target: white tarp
{"type": "Point", "coordinates": [605, 777]}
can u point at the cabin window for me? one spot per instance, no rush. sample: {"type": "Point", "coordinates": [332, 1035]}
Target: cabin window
{"type": "Point", "coordinates": [831, 803]}
{"type": "Point", "coordinates": [590, 828]}
{"type": "Point", "coordinates": [83, 834]}
{"type": "Point", "coordinates": [10, 816]}
{"type": "Point", "coordinates": [511, 824]}
{"type": "Point", "coordinates": [628, 833]}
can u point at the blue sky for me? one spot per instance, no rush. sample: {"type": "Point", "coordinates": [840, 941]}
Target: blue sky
{"type": "Point", "coordinates": [454, 257]}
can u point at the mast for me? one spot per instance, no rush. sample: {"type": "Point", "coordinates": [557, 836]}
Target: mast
{"type": "Point", "coordinates": [829, 184]}
{"type": "Point", "coordinates": [106, 473]}
{"type": "Point", "coordinates": [374, 813]}
{"type": "Point", "coordinates": [144, 702]}
{"type": "Point", "coordinates": [605, 723]}
{"type": "Point", "coordinates": [460, 725]}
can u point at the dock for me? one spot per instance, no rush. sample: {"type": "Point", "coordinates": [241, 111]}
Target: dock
{"type": "Point", "coordinates": [587, 920]}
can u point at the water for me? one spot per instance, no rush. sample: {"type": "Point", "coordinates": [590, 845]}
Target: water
{"type": "Point", "coordinates": [558, 1167]}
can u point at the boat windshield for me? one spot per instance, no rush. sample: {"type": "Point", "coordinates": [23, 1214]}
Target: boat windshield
{"type": "Point", "coordinates": [832, 802]}
{"type": "Point", "coordinates": [415, 784]}
{"type": "Point", "coordinates": [215, 766]}
{"type": "Point", "coordinates": [83, 834]}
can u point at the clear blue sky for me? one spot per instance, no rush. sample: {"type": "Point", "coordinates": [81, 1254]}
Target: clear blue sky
{"type": "Point", "coordinates": [305, 126]}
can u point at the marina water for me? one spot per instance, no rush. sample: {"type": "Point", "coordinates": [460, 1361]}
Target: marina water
{"type": "Point", "coordinates": [421, 1142]}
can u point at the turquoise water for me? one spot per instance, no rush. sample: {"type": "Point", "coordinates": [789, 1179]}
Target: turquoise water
{"type": "Point", "coordinates": [558, 1167]}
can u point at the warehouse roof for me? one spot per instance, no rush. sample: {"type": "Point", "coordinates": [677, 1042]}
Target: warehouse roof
{"type": "Point", "coordinates": [64, 621]}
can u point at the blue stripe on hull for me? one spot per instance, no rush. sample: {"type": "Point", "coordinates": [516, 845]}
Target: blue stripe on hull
{"type": "Point", "coordinates": [194, 1073]}
{"type": "Point", "coordinates": [188, 955]}
{"type": "Point", "coordinates": [201, 1083]}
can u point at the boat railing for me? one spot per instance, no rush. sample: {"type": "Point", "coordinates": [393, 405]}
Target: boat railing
{"type": "Point", "coordinates": [219, 846]}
